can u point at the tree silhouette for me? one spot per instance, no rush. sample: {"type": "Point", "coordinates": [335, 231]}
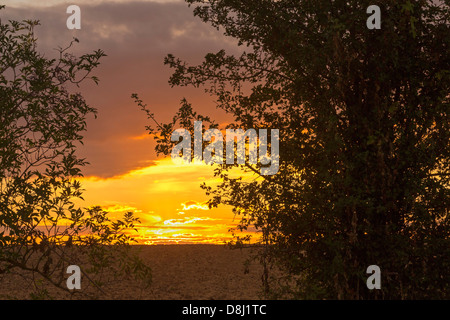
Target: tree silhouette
{"type": "Point", "coordinates": [364, 141]}
{"type": "Point", "coordinates": [42, 231]}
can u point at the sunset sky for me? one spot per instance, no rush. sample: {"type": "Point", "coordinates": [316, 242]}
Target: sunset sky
{"type": "Point", "coordinates": [124, 172]}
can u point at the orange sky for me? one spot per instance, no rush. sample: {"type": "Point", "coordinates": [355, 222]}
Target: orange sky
{"type": "Point", "coordinates": [167, 199]}
{"type": "Point", "coordinates": [124, 172]}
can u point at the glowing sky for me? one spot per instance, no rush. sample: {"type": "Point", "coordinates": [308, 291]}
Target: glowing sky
{"type": "Point", "coordinates": [124, 172]}
{"type": "Point", "coordinates": [168, 201]}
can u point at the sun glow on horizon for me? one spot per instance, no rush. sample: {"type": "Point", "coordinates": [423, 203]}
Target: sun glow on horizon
{"type": "Point", "coordinates": [167, 199]}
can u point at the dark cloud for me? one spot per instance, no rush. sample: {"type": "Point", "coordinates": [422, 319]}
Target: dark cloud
{"type": "Point", "coordinates": [136, 36]}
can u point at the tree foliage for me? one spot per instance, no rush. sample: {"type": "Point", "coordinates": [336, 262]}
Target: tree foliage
{"type": "Point", "coordinates": [364, 140]}
{"type": "Point", "coordinates": [42, 231]}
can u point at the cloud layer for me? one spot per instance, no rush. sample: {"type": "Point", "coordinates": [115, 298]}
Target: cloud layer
{"type": "Point", "coordinates": [136, 36]}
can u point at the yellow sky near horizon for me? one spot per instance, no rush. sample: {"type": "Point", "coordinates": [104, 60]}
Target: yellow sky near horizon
{"type": "Point", "coordinates": [168, 200]}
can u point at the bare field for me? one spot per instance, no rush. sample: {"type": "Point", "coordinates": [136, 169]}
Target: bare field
{"type": "Point", "coordinates": [180, 272]}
